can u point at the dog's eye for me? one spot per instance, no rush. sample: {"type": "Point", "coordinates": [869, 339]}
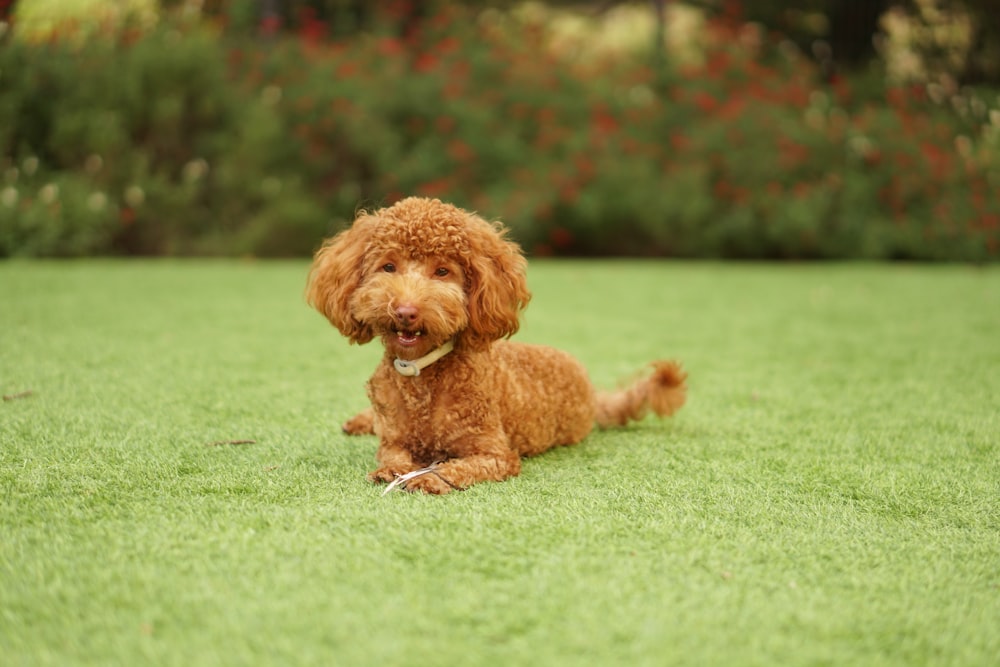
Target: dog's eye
{"type": "Point", "coordinates": [442, 272]}
{"type": "Point", "coordinates": [389, 268]}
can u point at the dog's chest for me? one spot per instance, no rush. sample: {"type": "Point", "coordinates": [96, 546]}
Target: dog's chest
{"type": "Point", "coordinates": [423, 417]}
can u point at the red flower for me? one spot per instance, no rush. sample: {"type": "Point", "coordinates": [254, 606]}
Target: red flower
{"type": "Point", "coordinates": [453, 89]}
{"type": "Point", "coordinates": [270, 24]}
{"type": "Point", "coordinates": [398, 9]}
{"type": "Point", "coordinates": [896, 97]}
{"type": "Point", "coordinates": [938, 159]}
{"type": "Point", "coordinates": [791, 153]}
{"type": "Point", "coordinates": [390, 46]}
{"type": "Point", "coordinates": [448, 45]}
{"type": "Point", "coordinates": [347, 69]}
{"type": "Point", "coordinates": [519, 110]}
{"type": "Point", "coordinates": [444, 124]}
{"type": "Point", "coordinates": [311, 30]}
{"type": "Point", "coordinates": [585, 167]}
{"type": "Point", "coordinates": [546, 116]}
{"type": "Point", "coordinates": [460, 151]}
{"type": "Point", "coordinates": [561, 237]}
{"type": "Point", "coordinates": [841, 90]}
{"type": "Point", "coordinates": [717, 63]}
{"type": "Point", "coordinates": [733, 107]}
{"type": "Point", "coordinates": [543, 250]}
{"type": "Point", "coordinates": [705, 102]}
{"type": "Point", "coordinates": [425, 62]}
{"type": "Point", "coordinates": [603, 121]}
{"type": "Point", "coordinates": [436, 188]}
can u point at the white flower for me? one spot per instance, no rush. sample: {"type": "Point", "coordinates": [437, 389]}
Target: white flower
{"type": "Point", "coordinates": [97, 201]}
{"type": "Point", "coordinates": [195, 170]}
{"type": "Point", "coordinates": [49, 193]}
{"type": "Point", "coordinates": [30, 165]}
{"type": "Point", "coordinates": [815, 118]}
{"type": "Point", "coordinates": [8, 196]}
{"type": "Point", "coordinates": [818, 98]}
{"type": "Point", "coordinates": [134, 196]}
{"type": "Point", "coordinates": [862, 145]}
{"type": "Point", "coordinates": [978, 107]}
{"type": "Point", "coordinates": [789, 50]}
{"type": "Point", "coordinates": [960, 104]}
{"type": "Point", "coordinates": [936, 92]}
{"type": "Point", "coordinates": [964, 146]}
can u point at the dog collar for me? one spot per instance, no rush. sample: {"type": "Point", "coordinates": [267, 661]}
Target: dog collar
{"type": "Point", "coordinates": [413, 368]}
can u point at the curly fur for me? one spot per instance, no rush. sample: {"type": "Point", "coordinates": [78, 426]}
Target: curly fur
{"type": "Point", "coordinates": [422, 272]}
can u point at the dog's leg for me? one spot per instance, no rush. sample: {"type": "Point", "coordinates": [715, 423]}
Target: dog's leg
{"type": "Point", "coordinates": [362, 423]}
{"type": "Point", "coordinates": [456, 474]}
{"type": "Point", "coordinates": [393, 461]}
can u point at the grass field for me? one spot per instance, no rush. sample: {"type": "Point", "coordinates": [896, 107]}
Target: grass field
{"type": "Point", "coordinates": [829, 496]}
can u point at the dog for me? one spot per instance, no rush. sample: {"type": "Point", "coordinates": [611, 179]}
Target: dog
{"type": "Point", "coordinates": [452, 401]}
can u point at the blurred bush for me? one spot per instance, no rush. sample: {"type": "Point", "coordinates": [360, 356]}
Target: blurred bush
{"type": "Point", "coordinates": [183, 138]}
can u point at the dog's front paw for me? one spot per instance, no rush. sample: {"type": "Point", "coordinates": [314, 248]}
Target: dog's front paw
{"type": "Point", "coordinates": [385, 474]}
{"type": "Point", "coordinates": [430, 483]}
{"type": "Point", "coordinates": [423, 480]}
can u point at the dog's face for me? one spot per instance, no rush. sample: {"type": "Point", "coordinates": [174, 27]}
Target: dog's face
{"type": "Point", "coordinates": [414, 304]}
{"type": "Point", "coordinates": [418, 274]}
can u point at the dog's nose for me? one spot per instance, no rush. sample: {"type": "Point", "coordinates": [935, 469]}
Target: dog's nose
{"type": "Point", "coordinates": [406, 313]}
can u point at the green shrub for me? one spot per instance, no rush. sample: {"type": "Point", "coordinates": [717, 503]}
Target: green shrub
{"type": "Point", "coordinates": [67, 215]}
{"type": "Point", "coordinates": [733, 158]}
{"type": "Point", "coordinates": [186, 160]}
{"type": "Point", "coordinates": [214, 144]}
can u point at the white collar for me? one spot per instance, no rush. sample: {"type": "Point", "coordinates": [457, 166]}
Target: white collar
{"type": "Point", "coordinates": [413, 368]}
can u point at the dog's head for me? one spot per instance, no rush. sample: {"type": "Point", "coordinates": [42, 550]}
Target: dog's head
{"type": "Point", "coordinates": [417, 274]}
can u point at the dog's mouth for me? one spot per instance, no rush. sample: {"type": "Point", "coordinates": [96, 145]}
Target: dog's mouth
{"type": "Point", "coordinates": [409, 337]}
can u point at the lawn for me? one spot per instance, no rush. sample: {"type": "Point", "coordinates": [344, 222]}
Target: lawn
{"type": "Point", "coordinates": [828, 496]}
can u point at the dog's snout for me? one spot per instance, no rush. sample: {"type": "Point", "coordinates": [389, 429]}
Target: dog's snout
{"type": "Point", "coordinates": [407, 313]}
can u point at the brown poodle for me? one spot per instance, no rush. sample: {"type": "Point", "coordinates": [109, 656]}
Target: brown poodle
{"type": "Point", "coordinates": [441, 287]}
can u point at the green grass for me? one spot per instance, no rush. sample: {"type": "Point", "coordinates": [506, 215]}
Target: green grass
{"type": "Point", "coordinates": [829, 496]}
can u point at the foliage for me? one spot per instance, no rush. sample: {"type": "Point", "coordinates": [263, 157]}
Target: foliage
{"type": "Point", "coordinates": [211, 143]}
{"type": "Point", "coordinates": [960, 39]}
{"type": "Point", "coordinates": [41, 19]}
{"type": "Point", "coordinates": [179, 160]}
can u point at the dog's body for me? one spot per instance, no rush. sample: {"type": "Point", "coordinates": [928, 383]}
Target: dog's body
{"type": "Point", "coordinates": [441, 287]}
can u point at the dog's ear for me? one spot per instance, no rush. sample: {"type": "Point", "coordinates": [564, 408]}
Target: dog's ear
{"type": "Point", "coordinates": [496, 284]}
{"type": "Point", "coordinates": [336, 274]}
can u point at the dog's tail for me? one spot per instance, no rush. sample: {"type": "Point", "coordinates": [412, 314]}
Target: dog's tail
{"type": "Point", "coordinates": [663, 391]}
